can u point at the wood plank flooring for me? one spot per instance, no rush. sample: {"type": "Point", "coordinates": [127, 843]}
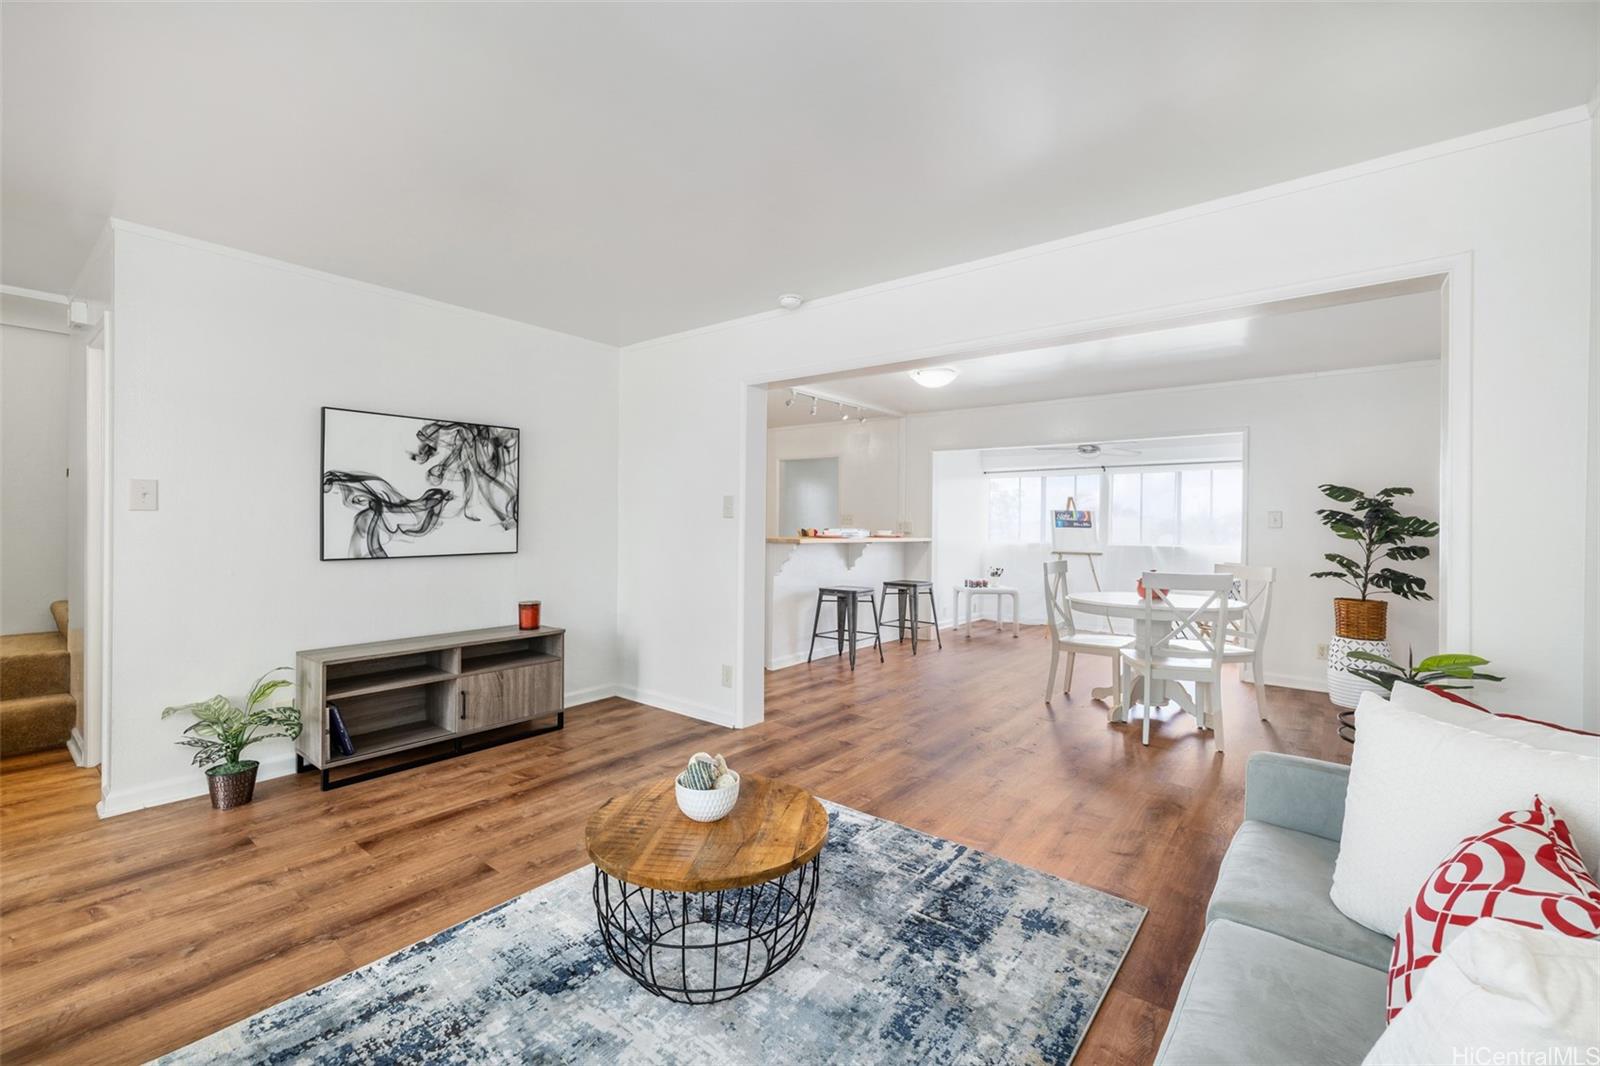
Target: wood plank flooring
{"type": "Point", "coordinates": [123, 939]}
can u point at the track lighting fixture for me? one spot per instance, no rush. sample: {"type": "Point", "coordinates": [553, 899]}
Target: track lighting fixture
{"type": "Point", "coordinates": [790, 401]}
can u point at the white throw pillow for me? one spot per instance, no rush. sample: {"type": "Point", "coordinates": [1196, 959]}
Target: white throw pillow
{"type": "Point", "coordinates": [1416, 698]}
{"type": "Point", "coordinates": [1501, 993]}
{"type": "Point", "coordinates": [1419, 786]}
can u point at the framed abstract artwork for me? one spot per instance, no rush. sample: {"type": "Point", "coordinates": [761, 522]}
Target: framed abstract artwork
{"type": "Point", "coordinates": [394, 486]}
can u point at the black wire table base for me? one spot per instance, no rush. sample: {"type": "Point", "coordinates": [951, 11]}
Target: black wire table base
{"type": "Point", "coordinates": [705, 947]}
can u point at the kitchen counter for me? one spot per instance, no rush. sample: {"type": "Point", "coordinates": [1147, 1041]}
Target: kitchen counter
{"type": "Point", "coordinates": [849, 540]}
{"type": "Point", "coordinates": [793, 577]}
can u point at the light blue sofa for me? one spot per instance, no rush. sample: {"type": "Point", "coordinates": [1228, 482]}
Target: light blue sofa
{"type": "Point", "coordinates": [1281, 976]}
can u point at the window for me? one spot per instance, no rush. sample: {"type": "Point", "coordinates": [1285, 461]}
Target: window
{"type": "Point", "coordinates": [1192, 506]}
{"type": "Point", "coordinates": [1195, 506]}
{"type": "Point", "coordinates": [1020, 505]}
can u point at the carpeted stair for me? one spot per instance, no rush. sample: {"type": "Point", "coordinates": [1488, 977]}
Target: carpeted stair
{"type": "Point", "coordinates": [36, 709]}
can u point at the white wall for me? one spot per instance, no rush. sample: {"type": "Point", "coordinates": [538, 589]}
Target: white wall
{"type": "Point", "coordinates": [1591, 701]}
{"type": "Point", "coordinates": [1510, 208]}
{"type": "Point", "coordinates": [33, 485]}
{"type": "Point", "coordinates": [869, 468]}
{"type": "Point", "coordinates": [1367, 428]}
{"type": "Point", "coordinates": [222, 363]}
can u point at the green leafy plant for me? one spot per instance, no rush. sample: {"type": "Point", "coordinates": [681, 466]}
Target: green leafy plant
{"type": "Point", "coordinates": [1440, 671]}
{"type": "Point", "coordinates": [222, 729]}
{"type": "Point", "coordinates": [1381, 533]}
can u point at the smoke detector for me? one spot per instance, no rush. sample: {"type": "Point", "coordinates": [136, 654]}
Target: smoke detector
{"type": "Point", "coordinates": [790, 300]}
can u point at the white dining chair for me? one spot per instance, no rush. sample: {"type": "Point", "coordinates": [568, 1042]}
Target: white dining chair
{"type": "Point", "coordinates": [1247, 632]}
{"type": "Point", "coordinates": [1065, 636]}
{"type": "Point", "coordinates": [1181, 643]}
{"type": "Point", "coordinates": [1247, 635]}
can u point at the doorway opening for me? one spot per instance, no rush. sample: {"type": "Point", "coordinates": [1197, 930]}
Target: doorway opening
{"type": "Point", "coordinates": [1195, 438]}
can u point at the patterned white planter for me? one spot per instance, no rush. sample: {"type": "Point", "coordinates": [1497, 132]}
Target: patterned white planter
{"type": "Point", "coordinates": [1344, 688]}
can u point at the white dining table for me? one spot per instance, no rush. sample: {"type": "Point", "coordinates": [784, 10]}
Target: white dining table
{"type": "Point", "coordinates": [1130, 605]}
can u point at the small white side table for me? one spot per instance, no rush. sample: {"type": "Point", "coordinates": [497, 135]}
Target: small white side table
{"type": "Point", "coordinates": [1000, 593]}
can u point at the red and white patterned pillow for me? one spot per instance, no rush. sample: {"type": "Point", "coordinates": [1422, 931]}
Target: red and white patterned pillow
{"type": "Point", "coordinates": [1525, 870]}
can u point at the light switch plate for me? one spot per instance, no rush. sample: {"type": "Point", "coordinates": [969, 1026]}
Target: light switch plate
{"type": "Point", "coordinates": [143, 494]}
{"type": "Point", "coordinates": [1274, 519]}
{"type": "Point", "coordinates": [727, 675]}
{"type": "Point", "coordinates": [727, 507]}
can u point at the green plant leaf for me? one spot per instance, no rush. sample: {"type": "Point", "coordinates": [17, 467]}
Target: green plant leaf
{"type": "Point", "coordinates": [1342, 493]}
{"type": "Point", "coordinates": [1370, 657]}
{"type": "Point", "coordinates": [1451, 662]}
{"type": "Point", "coordinates": [1377, 677]}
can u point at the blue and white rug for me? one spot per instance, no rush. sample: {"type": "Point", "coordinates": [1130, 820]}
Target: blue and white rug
{"type": "Point", "coordinates": [921, 950]}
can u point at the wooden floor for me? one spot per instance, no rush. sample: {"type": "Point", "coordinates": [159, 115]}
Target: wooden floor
{"type": "Point", "coordinates": [127, 938]}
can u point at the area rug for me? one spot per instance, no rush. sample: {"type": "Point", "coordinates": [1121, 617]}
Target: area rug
{"type": "Point", "coordinates": [921, 950]}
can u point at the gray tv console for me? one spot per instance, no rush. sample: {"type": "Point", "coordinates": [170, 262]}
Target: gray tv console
{"type": "Point", "coordinates": [395, 696]}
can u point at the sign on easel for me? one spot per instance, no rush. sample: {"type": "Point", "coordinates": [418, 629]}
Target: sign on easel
{"type": "Point", "coordinates": [1073, 529]}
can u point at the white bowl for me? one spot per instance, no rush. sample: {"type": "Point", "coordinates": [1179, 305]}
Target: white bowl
{"type": "Point", "coordinates": [708, 805]}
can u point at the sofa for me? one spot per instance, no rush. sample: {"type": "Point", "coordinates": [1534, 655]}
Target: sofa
{"type": "Point", "coordinates": [1281, 976]}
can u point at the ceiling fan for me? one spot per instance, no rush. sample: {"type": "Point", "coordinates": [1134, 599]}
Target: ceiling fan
{"type": "Point", "coordinates": [1094, 451]}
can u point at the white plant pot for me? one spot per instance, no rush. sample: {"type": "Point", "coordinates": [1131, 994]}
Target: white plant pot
{"type": "Point", "coordinates": [1345, 688]}
{"type": "Point", "coordinates": [708, 805]}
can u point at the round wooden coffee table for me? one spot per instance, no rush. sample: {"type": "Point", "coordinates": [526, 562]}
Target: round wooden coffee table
{"type": "Point", "coordinates": [700, 912]}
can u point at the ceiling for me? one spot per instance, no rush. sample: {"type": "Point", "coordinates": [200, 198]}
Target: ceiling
{"type": "Point", "coordinates": [1293, 337]}
{"type": "Point", "coordinates": [622, 171]}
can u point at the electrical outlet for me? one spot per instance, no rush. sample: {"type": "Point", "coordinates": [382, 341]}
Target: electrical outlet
{"type": "Point", "coordinates": [1322, 652]}
{"type": "Point", "coordinates": [847, 520]}
{"type": "Point", "coordinates": [727, 507]}
{"type": "Point", "coordinates": [1274, 519]}
{"type": "Point", "coordinates": [727, 675]}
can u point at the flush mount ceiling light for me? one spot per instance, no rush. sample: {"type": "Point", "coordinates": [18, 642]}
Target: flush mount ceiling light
{"type": "Point", "coordinates": [790, 300]}
{"type": "Point", "coordinates": [934, 377]}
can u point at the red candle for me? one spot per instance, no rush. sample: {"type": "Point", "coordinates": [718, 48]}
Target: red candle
{"type": "Point", "coordinates": [528, 614]}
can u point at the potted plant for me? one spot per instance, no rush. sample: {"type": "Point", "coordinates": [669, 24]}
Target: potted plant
{"type": "Point", "coordinates": [1436, 671]}
{"type": "Point", "coordinates": [1381, 535]}
{"type": "Point", "coordinates": [222, 730]}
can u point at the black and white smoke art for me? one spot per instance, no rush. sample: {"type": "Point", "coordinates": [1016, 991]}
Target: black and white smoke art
{"type": "Point", "coordinates": [394, 486]}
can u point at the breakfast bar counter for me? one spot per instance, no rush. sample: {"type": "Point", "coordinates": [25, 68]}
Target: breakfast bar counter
{"type": "Point", "coordinates": [798, 566]}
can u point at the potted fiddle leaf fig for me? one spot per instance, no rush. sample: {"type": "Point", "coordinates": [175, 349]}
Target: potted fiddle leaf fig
{"type": "Point", "coordinates": [222, 730]}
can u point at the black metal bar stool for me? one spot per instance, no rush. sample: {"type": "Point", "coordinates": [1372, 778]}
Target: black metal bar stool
{"type": "Point", "coordinates": [911, 592]}
{"type": "Point", "coordinates": [847, 601]}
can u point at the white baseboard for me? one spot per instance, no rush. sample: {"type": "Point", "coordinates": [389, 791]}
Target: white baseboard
{"type": "Point", "coordinates": [1304, 684]}
{"type": "Point", "coordinates": [700, 712]}
{"type": "Point", "coordinates": [588, 695]}
{"type": "Point", "coordinates": [192, 783]}
{"type": "Point", "coordinates": [188, 785]}
{"type": "Point", "coordinates": [75, 747]}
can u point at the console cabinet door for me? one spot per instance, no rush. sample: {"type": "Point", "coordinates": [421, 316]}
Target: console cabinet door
{"type": "Point", "coordinates": [503, 697]}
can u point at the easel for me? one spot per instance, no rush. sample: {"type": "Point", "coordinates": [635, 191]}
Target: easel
{"type": "Point", "coordinates": [1089, 554]}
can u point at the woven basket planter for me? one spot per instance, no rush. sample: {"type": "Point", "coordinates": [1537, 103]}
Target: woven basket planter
{"type": "Point", "coordinates": [1361, 619]}
{"type": "Point", "coordinates": [233, 790]}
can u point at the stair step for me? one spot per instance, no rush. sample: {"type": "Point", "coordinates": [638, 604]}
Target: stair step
{"type": "Point", "coordinates": [33, 664]}
{"type": "Point", "coordinates": [58, 611]}
{"type": "Point", "coordinates": [36, 722]}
